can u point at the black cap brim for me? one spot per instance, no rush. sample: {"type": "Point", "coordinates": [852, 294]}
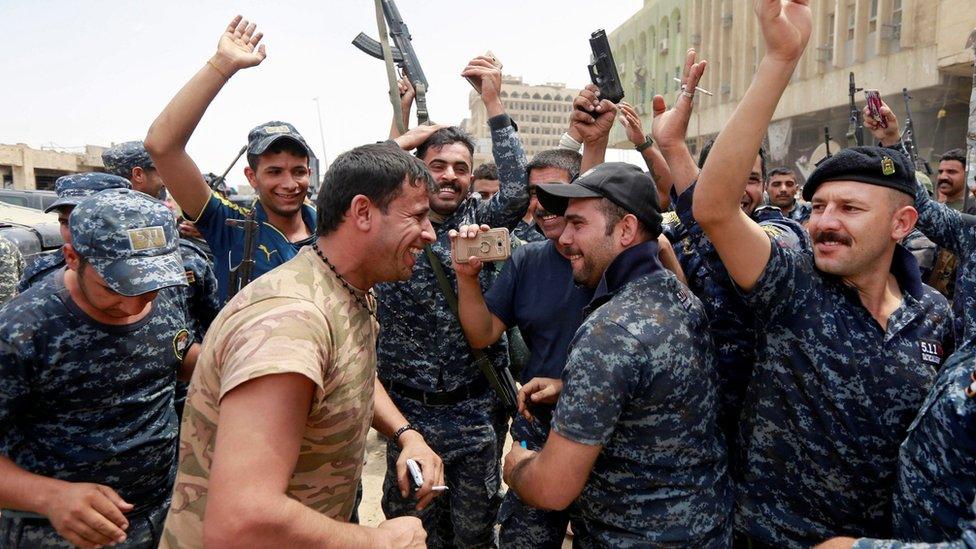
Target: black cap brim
{"type": "Point", "coordinates": [555, 197]}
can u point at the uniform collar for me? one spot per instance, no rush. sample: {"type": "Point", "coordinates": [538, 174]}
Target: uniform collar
{"type": "Point", "coordinates": [905, 268]}
{"type": "Point", "coordinates": [308, 216]}
{"type": "Point", "coordinates": [633, 263]}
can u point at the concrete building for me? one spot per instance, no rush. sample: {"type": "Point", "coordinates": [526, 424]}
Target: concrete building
{"type": "Point", "coordinates": [888, 45]}
{"type": "Point", "coordinates": [541, 112]}
{"type": "Point", "coordinates": [22, 167]}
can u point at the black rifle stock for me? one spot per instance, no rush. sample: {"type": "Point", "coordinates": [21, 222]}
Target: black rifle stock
{"type": "Point", "coordinates": [856, 130]}
{"type": "Point", "coordinates": [403, 55]}
{"type": "Point", "coordinates": [603, 70]}
{"type": "Point", "coordinates": [240, 275]}
{"type": "Point", "coordinates": [908, 136]}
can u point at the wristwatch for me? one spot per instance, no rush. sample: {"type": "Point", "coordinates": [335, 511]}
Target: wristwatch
{"type": "Point", "coordinates": [646, 144]}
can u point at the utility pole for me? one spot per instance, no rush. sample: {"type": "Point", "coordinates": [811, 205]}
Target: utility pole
{"type": "Point", "coordinates": [971, 132]}
{"type": "Point", "coordinates": [325, 160]}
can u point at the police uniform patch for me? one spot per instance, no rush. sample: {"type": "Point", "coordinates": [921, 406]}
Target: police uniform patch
{"type": "Point", "coordinates": [190, 277]}
{"type": "Point", "coordinates": [932, 352]}
{"type": "Point", "coordinates": [277, 129]}
{"type": "Point", "coordinates": [887, 165]}
{"type": "Point", "coordinates": [772, 231]}
{"type": "Point", "coordinates": [146, 238]}
{"type": "Point", "coordinates": [181, 342]}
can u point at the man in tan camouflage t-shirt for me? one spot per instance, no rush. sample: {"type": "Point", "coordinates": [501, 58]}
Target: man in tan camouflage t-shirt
{"type": "Point", "coordinates": [274, 431]}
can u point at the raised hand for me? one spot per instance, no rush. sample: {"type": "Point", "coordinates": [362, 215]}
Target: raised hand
{"type": "Point", "coordinates": [481, 68]}
{"type": "Point", "coordinates": [786, 26]}
{"type": "Point", "coordinates": [886, 136]}
{"type": "Point", "coordinates": [632, 124]}
{"type": "Point", "coordinates": [592, 117]}
{"type": "Point", "coordinates": [402, 532]}
{"type": "Point", "coordinates": [238, 47]}
{"type": "Point", "coordinates": [670, 127]}
{"type": "Point", "coordinates": [467, 232]}
{"type": "Point", "coordinates": [416, 136]}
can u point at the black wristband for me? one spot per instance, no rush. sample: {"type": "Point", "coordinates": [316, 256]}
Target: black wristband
{"type": "Point", "coordinates": [401, 430]}
{"type": "Point", "coordinates": [646, 144]}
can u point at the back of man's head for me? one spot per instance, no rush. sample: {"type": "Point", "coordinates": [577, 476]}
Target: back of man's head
{"type": "Point", "coordinates": [375, 171]}
{"type": "Point", "coordinates": [446, 136]}
{"type": "Point", "coordinates": [561, 159]}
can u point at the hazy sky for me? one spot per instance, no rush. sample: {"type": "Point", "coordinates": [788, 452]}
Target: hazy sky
{"type": "Point", "coordinates": [99, 71]}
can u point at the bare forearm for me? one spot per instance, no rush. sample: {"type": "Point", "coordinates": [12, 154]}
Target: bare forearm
{"type": "Point", "coordinates": [386, 416]}
{"type": "Point", "coordinates": [534, 483]}
{"type": "Point", "coordinates": [281, 522]}
{"type": "Point", "coordinates": [684, 169]}
{"type": "Point", "coordinates": [23, 490]}
{"type": "Point", "coordinates": [173, 127]}
{"type": "Point", "coordinates": [594, 153]}
{"type": "Point", "coordinates": [476, 319]}
{"type": "Point", "coordinates": [661, 173]}
{"type": "Point", "coordinates": [189, 362]}
{"type": "Point", "coordinates": [723, 178]}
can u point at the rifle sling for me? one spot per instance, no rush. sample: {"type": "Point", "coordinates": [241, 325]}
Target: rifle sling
{"type": "Point", "coordinates": [506, 395]}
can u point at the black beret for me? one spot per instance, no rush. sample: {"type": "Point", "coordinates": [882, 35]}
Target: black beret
{"type": "Point", "coordinates": [873, 165]}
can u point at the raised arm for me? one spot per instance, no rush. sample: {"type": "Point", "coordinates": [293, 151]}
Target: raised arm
{"type": "Point", "coordinates": [481, 328]}
{"type": "Point", "coordinates": [592, 119]}
{"type": "Point", "coordinates": [670, 126]}
{"type": "Point", "coordinates": [166, 142]}
{"type": "Point", "coordinates": [653, 158]}
{"type": "Point", "coordinates": [741, 243]}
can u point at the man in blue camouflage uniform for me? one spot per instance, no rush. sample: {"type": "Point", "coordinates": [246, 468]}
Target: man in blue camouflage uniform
{"type": "Point", "coordinates": [88, 360]}
{"type": "Point", "coordinates": [734, 327]}
{"type": "Point", "coordinates": [277, 169]}
{"type": "Point", "coordinates": [781, 189]}
{"type": "Point", "coordinates": [71, 189]}
{"type": "Point", "coordinates": [634, 439]}
{"type": "Point", "coordinates": [424, 361]}
{"type": "Point", "coordinates": [933, 502]}
{"type": "Point", "coordinates": [847, 360]}
{"type": "Point", "coordinates": [11, 268]}
{"type": "Point", "coordinates": [535, 294]}
{"type": "Point", "coordinates": [131, 161]}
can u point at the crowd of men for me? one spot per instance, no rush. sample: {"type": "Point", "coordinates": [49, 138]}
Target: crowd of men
{"type": "Point", "coordinates": [705, 358]}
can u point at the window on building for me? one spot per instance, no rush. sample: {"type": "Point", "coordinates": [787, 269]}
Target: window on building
{"type": "Point", "coordinates": [849, 38]}
{"type": "Point", "coordinates": [894, 44]}
{"type": "Point", "coordinates": [677, 22]}
{"type": "Point", "coordinates": [872, 49]}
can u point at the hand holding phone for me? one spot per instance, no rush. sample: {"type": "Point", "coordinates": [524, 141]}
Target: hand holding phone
{"type": "Point", "coordinates": [476, 82]}
{"type": "Point", "coordinates": [873, 98]}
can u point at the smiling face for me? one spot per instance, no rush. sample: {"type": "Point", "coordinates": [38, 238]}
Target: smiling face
{"type": "Point", "coordinates": [551, 224]}
{"type": "Point", "coordinates": [854, 225]}
{"type": "Point", "coordinates": [400, 234]}
{"type": "Point", "coordinates": [952, 179]}
{"type": "Point", "coordinates": [281, 182]}
{"type": "Point", "coordinates": [752, 197]}
{"type": "Point", "coordinates": [450, 165]}
{"type": "Point", "coordinates": [589, 244]}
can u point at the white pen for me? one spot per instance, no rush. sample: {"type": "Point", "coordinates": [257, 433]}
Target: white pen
{"type": "Point", "coordinates": [697, 88]}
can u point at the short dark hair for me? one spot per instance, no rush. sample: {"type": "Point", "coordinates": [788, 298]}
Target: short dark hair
{"type": "Point", "coordinates": [958, 155]}
{"type": "Point", "coordinates": [446, 136]}
{"type": "Point", "coordinates": [375, 171]}
{"type": "Point", "coordinates": [707, 148]}
{"type": "Point", "coordinates": [781, 170]}
{"type": "Point", "coordinates": [488, 170]}
{"type": "Point", "coordinates": [562, 159]}
{"type": "Point", "coordinates": [614, 213]}
{"type": "Point", "coordinates": [281, 145]}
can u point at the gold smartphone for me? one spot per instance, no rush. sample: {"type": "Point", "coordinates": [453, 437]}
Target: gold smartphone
{"type": "Point", "coordinates": [476, 84]}
{"type": "Point", "coordinates": [491, 245]}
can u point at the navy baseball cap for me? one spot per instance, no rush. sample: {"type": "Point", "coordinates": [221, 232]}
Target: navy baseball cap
{"type": "Point", "coordinates": [623, 184]}
{"type": "Point", "coordinates": [129, 239]}
{"type": "Point", "coordinates": [120, 159]}
{"type": "Point", "coordinates": [261, 137]}
{"type": "Point", "coordinates": [72, 189]}
{"type": "Point", "coordinates": [873, 165]}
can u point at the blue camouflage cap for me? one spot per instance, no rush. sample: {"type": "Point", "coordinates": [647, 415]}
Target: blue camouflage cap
{"type": "Point", "coordinates": [261, 137]}
{"type": "Point", "coordinates": [121, 158]}
{"type": "Point", "coordinates": [74, 188]}
{"type": "Point", "coordinates": [129, 239]}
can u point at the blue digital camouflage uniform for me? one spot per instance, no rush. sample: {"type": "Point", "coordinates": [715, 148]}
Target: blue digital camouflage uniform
{"type": "Point", "coordinates": [200, 298]}
{"type": "Point", "coordinates": [271, 247]}
{"type": "Point", "coordinates": [800, 212]}
{"type": "Point", "coordinates": [421, 346]}
{"type": "Point", "coordinates": [39, 266]}
{"type": "Point", "coordinates": [641, 382]}
{"type": "Point", "coordinates": [528, 232]}
{"type": "Point", "coordinates": [734, 327]}
{"type": "Point", "coordinates": [830, 400]}
{"type": "Point", "coordinates": [937, 483]}
{"type": "Point", "coordinates": [936, 478]}
{"type": "Point", "coordinates": [11, 268]}
{"type": "Point", "coordinates": [83, 401]}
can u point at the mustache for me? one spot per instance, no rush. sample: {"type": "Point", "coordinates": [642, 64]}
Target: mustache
{"type": "Point", "coordinates": [944, 181]}
{"type": "Point", "coordinates": [450, 185]}
{"type": "Point", "coordinates": [832, 236]}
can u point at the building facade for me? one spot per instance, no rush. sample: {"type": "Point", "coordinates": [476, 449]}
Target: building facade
{"type": "Point", "coordinates": [541, 112]}
{"type": "Point", "coordinates": [22, 167]}
{"type": "Point", "coordinates": [889, 45]}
